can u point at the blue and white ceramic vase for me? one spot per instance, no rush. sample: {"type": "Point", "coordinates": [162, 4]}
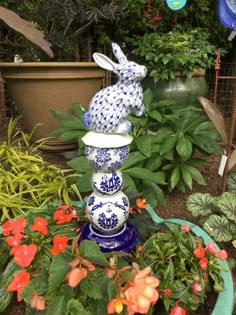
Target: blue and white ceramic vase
{"type": "Point", "coordinates": [108, 206]}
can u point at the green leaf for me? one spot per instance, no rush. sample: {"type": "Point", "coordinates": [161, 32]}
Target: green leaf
{"type": "Point", "coordinates": [62, 115]}
{"type": "Point", "coordinates": [154, 162]}
{"type": "Point", "coordinates": [146, 175]}
{"type": "Point", "coordinates": [58, 306]}
{"type": "Point", "coordinates": [144, 144]}
{"type": "Point", "coordinates": [78, 109]}
{"type": "Point", "coordinates": [129, 184]}
{"type": "Point", "coordinates": [84, 182]}
{"type": "Point", "coordinates": [91, 288]}
{"type": "Point", "coordinates": [186, 176]}
{"type": "Point", "coordinates": [199, 204]}
{"type": "Point", "coordinates": [227, 204]}
{"type": "Point", "coordinates": [59, 269]}
{"type": "Point", "coordinates": [169, 273]}
{"type": "Point", "coordinates": [91, 251]}
{"type": "Point", "coordinates": [80, 164]}
{"type": "Point", "coordinates": [219, 228]}
{"type": "Point", "coordinates": [75, 124]}
{"type": "Point", "coordinates": [196, 175]}
{"type": "Point", "coordinates": [168, 144]}
{"type": "Point", "coordinates": [74, 307]}
{"type": "Point", "coordinates": [38, 285]}
{"type": "Point", "coordinates": [175, 176]}
{"type": "Point", "coordinates": [184, 148]}
{"type": "Point", "coordinates": [162, 134]}
{"type": "Point", "coordinates": [153, 192]}
{"type": "Point", "coordinates": [71, 134]}
{"type": "Point", "coordinates": [231, 183]}
{"type": "Point", "coordinates": [155, 115]}
{"type": "Point", "coordinates": [133, 158]}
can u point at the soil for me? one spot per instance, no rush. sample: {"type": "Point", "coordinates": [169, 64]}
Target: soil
{"type": "Point", "coordinates": [174, 208]}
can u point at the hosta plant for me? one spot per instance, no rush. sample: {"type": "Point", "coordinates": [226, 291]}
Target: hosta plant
{"type": "Point", "coordinates": [217, 212]}
{"type": "Point", "coordinates": [162, 153]}
{"type": "Point", "coordinates": [26, 180]}
{"type": "Point", "coordinates": [170, 270]}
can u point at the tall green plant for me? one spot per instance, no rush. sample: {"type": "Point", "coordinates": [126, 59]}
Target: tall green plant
{"type": "Point", "coordinates": [26, 180]}
{"type": "Point", "coordinates": [165, 141]}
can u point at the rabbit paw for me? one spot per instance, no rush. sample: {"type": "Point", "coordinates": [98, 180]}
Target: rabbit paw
{"type": "Point", "coordinates": [86, 120]}
{"type": "Point", "coordinates": [125, 127]}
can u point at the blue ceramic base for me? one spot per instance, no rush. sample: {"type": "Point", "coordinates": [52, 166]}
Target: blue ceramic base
{"type": "Point", "coordinates": [124, 240]}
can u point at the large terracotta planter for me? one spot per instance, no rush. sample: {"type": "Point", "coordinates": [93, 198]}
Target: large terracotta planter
{"type": "Point", "coordinates": [183, 90]}
{"type": "Point", "coordinates": [37, 87]}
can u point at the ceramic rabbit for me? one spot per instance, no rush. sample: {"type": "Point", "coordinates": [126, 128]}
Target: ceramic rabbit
{"type": "Point", "coordinates": [110, 107]}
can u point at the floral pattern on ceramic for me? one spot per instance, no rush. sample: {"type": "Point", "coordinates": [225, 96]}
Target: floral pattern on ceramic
{"type": "Point", "coordinates": [106, 159]}
{"type": "Point", "coordinates": [108, 214]}
{"type": "Point", "coordinates": [107, 183]}
{"type": "Point", "coordinates": [110, 107]}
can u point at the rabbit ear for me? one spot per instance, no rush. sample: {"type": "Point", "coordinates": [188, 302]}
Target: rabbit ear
{"type": "Point", "coordinates": [104, 62]}
{"type": "Point", "coordinates": [120, 56]}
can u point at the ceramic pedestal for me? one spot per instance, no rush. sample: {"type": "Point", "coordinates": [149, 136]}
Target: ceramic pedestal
{"type": "Point", "coordinates": [108, 206]}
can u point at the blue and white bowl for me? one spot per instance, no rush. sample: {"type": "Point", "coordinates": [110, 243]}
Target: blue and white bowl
{"type": "Point", "coordinates": [107, 183]}
{"type": "Point", "coordinates": [106, 159]}
{"type": "Point", "coordinates": [106, 214]}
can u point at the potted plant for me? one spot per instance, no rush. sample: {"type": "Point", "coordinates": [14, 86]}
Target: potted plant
{"type": "Point", "coordinates": [176, 62]}
{"type": "Point", "coordinates": [171, 269]}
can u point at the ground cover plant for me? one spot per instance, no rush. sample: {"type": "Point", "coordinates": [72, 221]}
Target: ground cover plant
{"type": "Point", "coordinates": [53, 275]}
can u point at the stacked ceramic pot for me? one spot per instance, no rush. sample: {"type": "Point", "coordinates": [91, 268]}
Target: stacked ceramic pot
{"type": "Point", "coordinates": [108, 206]}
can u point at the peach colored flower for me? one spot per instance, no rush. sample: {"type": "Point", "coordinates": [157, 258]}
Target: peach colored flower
{"type": "Point", "coordinates": [142, 293]}
{"type": "Point", "coordinates": [110, 272]}
{"type": "Point", "coordinates": [37, 302]}
{"type": "Point", "coordinates": [211, 248]}
{"type": "Point", "coordinates": [222, 254]}
{"type": "Point", "coordinates": [24, 254]}
{"type": "Point", "coordinates": [116, 305]}
{"type": "Point", "coordinates": [75, 276]}
{"type": "Point", "coordinates": [196, 288]}
{"type": "Point", "coordinates": [18, 283]}
{"type": "Point", "coordinates": [185, 228]}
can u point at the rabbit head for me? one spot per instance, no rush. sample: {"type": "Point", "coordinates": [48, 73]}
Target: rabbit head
{"type": "Point", "coordinates": [125, 70]}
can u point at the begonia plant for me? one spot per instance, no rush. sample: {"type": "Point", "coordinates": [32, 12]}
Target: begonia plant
{"type": "Point", "coordinates": [169, 270]}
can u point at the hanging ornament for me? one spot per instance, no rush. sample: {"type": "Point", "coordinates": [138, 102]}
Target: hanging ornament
{"type": "Point", "coordinates": [176, 4]}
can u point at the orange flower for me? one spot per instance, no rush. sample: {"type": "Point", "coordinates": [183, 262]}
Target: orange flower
{"type": "Point", "coordinates": [13, 227]}
{"type": "Point", "coordinates": [141, 203]}
{"type": "Point", "coordinates": [199, 252]}
{"type": "Point", "coordinates": [19, 226]}
{"type": "Point", "coordinates": [75, 276]}
{"type": "Point", "coordinates": [59, 244]}
{"type": "Point", "coordinates": [7, 227]}
{"type": "Point", "coordinates": [37, 302]}
{"type": "Point", "coordinates": [18, 283]}
{"type": "Point", "coordinates": [203, 263]}
{"type": "Point", "coordinates": [14, 240]}
{"type": "Point", "coordinates": [116, 305]}
{"type": "Point", "coordinates": [25, 254]}
{"type": "Point", "coordinates": [64, 213]}
{"type": "Point", "coordinates": [40, 225]}
{"type": "Point", "coordinates": [142, 293]}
